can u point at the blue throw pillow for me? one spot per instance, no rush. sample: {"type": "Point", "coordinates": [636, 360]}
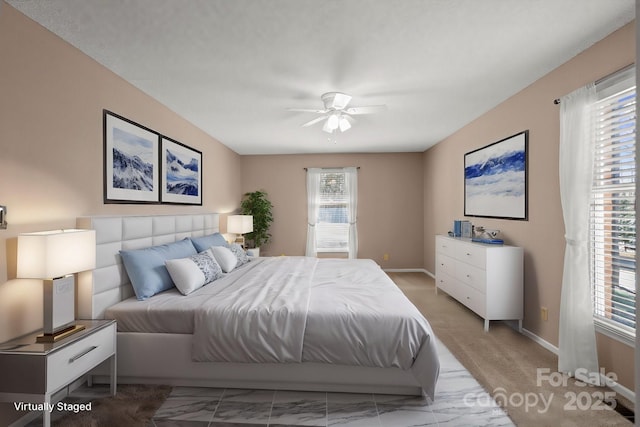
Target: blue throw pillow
{"type": "Point", "coordinates": [205, 242]}
{"type": "Point", "coordinates": [146, 267]}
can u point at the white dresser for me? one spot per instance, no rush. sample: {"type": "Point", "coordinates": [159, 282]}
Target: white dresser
{"type": "Point", "coordinates": [486, 278]}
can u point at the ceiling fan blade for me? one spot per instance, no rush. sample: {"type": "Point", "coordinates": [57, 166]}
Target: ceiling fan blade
{"type": "Point", "coordinates": [307, 110]}
{"type": "Point", "coordinates": [340, 101]}
{"type": "Point", "coordinates": [354, 111]}
{"type": "Point", "coordinates": [314, 121]}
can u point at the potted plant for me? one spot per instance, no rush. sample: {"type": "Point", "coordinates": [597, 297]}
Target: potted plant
{"type": "Point", "coordinates": [257, 204]}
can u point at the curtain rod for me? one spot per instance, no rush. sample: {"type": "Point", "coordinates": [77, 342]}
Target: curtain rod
{"type": "Point", "coordinates": [601, 79]}
{"type": "Point", "coordinates": [338, 167]}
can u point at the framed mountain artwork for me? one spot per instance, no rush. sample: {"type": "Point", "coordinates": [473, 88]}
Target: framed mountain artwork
{"type": "Point", "coordinates": [495, 179]}
{"type": "Point", "coordinates": [131, 161]}
{"type": "Point", "coordinates": [181, 181]}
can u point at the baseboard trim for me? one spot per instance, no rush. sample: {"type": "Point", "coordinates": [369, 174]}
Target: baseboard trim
{"type": "Point", "coordinates": [544, 343]}
{"type": "Point", "coordinates": [405, 270]}
{"type": "Point", "coordinates": [621, 390]}
{"type": "Point", "coordinates": [613, 385]}
{"type": "Point", "coordinates": [409, 270]}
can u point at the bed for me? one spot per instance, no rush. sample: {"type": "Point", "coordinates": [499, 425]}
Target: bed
{"type": "Point", "coordinates": [293, 323]}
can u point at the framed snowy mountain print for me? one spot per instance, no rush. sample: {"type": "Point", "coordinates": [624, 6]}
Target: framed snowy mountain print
{"type": "Point", "coordinates": [181, 181]}
{"type": "Point", "coordinates": [495, 179]}
{"type": "Point", "coordinates": [131, 161]}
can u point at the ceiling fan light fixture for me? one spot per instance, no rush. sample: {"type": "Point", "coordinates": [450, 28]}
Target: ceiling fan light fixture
{"type": "Point", "coordinates": [333, 122]}
{"type": "Point", "coordinates": [344, 124]}
{"type": "Point", "coordinates": [336, 115]}
{"type": "Point", "coordinates": [326, 127]}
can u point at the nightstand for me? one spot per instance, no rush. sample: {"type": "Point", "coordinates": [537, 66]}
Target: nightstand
{"type": "Point", "coordinates": [33, 372]}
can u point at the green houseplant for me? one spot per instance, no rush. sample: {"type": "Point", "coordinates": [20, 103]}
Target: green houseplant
{"type": "Point", "coordinates": [257, 204]}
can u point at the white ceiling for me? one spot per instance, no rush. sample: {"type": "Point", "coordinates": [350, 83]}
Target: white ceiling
{"type": "Point", "coordinates": [233, 67]}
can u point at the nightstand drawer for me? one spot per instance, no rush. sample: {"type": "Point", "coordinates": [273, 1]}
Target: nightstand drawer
{"type": "Point", "coordinates": [72, 361]}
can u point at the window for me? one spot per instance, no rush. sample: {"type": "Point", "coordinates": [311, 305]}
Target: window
{"type": "Point", "coordinates": [332, 211]}
{"type": "Point", "coordinates": [613, 226]}
{"type": "Point", "coordinates": [332, 227]}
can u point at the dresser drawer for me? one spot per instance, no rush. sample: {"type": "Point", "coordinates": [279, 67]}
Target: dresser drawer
{"type": "Point", "coordinates": [446, 246]}
{"type": "Point", "coordinates": [472, 276]}
{"type": "Point", "coordinates": [473, 299]}
{"type": "Point", "coordinates": [72, 361]}
{"type": "Point", "coordinates": [445, 264]}
{"type": "Point", "coordinates": [446, 283]}
{"type": "Point", "coordinates": [472, 254]}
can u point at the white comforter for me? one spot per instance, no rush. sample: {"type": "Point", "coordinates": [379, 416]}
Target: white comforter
{"type": "Point", "coordinates": [297, 309]}
{"type": "Point", "coordinates": [259, 316]}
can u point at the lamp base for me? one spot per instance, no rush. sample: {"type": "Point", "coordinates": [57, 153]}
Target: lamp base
{"type": "Point", "coordinates": [64, 333]}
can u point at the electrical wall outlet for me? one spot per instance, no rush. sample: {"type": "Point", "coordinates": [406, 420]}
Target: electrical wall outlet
{"type": "Point", "coordinates": [544, 313]}
{"type": "Point", "coordinates": [385, 257]}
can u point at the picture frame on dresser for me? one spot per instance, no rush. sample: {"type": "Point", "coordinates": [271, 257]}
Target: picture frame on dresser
{"type": "Point", "coordinates": [181, 173]}
{"type": "Point", "coordinates": [496, 179]}
{"type": "Point", "coordinates": [131, 161]}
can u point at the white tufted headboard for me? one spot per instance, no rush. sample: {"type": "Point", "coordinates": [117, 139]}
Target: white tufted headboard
{"type": "Point", "coordinates": [108, 283]}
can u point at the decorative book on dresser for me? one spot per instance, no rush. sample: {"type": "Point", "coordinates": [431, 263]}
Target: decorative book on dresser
{"type": "Point", "coordinates": [486, 278]}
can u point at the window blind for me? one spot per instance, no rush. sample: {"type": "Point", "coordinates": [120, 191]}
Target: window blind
{"type": "Point", "coordinates": [332, 228]}
{"type": "Point", "coordinates": [613, 228]}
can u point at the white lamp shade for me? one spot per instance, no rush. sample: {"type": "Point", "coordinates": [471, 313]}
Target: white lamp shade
{"type": "Point", "coordinates": [240, 224]}
{"type": "Point", "coordinates": [52, 254]}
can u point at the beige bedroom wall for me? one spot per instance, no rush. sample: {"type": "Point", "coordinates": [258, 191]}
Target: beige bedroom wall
{"type": "Point", "coordinates": [390, 215]}
{"type": "Point", "coordinates": [51, 162]}
{"type": "Point", "coordinates": [542, 236]}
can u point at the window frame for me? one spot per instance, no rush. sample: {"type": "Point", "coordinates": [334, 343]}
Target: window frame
{"type": "Point", "coordinates": [323, 226]}
{"type": "Point", "coordinates": [607, 88]}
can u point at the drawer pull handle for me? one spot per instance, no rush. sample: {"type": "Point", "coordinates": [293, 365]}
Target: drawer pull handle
{"type": "Point", "coordinates": [468, 254]}
{"type": "Point", "coordinates": [84, 353]}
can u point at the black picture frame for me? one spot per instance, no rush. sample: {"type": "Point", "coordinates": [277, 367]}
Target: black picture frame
{"type": "Point", "coordinates": [181, 181]}
{"type": "Point", "coordinates": [131, 161]}
{"type": "Point", "coordinates": [496, 183]}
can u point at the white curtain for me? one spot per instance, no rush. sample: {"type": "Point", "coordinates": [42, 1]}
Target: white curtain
{"type": "Point", "coordinates": [577, 353]}
{"type": "Point", "coordinates": [313, 189]}
{"type": "Point", "coordinates": [351, 181]}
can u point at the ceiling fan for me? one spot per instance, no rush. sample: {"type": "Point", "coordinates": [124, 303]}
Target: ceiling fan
{"type": "Point", "coordinates": [336, 114]}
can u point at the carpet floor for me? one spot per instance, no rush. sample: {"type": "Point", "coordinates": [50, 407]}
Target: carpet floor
{"type": "Point", "coordinates": [516, 371]}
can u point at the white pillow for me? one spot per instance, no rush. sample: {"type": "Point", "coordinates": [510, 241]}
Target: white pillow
{"type": "Point", "coordinates": [225, 258]}
{"type": "Point", "coordinates": [189, 274]}
{"type": "Point", "coordinates": [240, 254]}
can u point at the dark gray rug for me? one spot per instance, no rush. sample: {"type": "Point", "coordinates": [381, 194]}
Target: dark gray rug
{"type": "Point", "coordinates": [132, 406]}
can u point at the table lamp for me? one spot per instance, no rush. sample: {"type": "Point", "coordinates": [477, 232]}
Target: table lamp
{"type": "Point", "coordinates": [240, 224]}
{"type": "Point", "coordinates": [54, 256]}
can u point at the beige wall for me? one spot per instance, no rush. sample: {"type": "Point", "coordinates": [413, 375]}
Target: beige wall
{"type": "Point", "coordinates": [390, 216]}
{"type": "Point", "coordinates": [542, 236]}
{"type": "Point", "coordinates": [51, 103]}
{"type": "Point", "coordinates": [51, 161]}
